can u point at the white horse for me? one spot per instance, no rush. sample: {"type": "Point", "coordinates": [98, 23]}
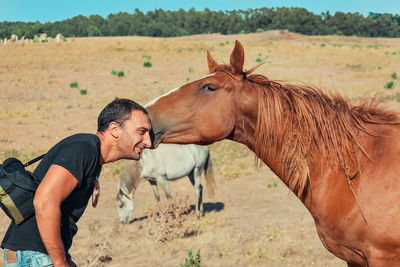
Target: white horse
{"type": "Point", "coordinates": [167, 162]}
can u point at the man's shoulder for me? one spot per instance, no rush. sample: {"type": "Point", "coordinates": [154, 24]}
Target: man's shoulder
{"type": "Point", "coordinates": [78, 153]}
{"type": "Point", "coordinates": [81, 140]}
{"type": "Point", "coordinates": [82, 137]}
{"type": "Point", "coordinates": [78, 147]}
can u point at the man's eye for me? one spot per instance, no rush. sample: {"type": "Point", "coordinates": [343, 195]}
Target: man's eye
{"type": "Point", "coordinates": [208, 87]}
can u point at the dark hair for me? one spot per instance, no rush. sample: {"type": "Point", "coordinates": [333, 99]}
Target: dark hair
{"type": "Point", "coordinates": [119, 110]}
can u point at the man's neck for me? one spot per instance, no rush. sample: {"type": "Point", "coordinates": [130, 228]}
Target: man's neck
{"type": "Point", "coordinates": [103, 148]}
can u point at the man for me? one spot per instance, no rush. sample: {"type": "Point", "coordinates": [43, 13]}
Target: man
{"type": "Point", "coordinates": [68, 174]}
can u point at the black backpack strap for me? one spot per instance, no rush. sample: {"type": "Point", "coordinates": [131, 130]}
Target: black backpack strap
{"type": "Point", "coordinates": [34, 160]}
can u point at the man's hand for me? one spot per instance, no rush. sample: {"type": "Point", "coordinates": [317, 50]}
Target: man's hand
{"type": "Point", "coordinates": [57, 185]}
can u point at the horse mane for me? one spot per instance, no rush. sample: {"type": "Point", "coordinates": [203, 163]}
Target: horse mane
{"type": "Point", "coordinates": [297, 121]}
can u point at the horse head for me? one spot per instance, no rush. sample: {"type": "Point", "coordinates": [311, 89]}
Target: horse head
{"type": "Point", "coordinates": [205, 111]}
{"type": "Point", "coordinates": [125, 206]}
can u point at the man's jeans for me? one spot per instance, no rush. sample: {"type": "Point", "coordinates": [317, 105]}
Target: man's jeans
{"type": "Point", "coordinates": [26, 258]}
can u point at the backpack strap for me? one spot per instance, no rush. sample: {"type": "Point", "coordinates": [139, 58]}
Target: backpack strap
{"type": "Point", "coordinates": [34, 160]}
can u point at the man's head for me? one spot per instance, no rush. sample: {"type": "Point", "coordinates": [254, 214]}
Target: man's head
{"type": "Point", "coordinates": [117, 111]}
{"type": "Point", "coordinates": [128, 125]}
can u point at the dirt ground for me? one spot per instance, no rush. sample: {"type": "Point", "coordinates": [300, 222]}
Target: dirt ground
{"type": "Point", "coordinates": [253, 220]}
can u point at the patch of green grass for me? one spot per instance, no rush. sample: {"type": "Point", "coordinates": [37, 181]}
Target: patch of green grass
{"type": "Point", "coordinates": [119, 73]}
{"type": "Point", "coordinates": [192, 260]}
{"type": "Point", "coordinates": [187, 79]}
{"type": "Point", "coordinates": [74, 84]}
{"type": "Point", "coordinates": [323, 45]}
{"type": "Point", "coordinates": [221, 44]}
{"type": "Point", "coordinates": [191, 70]}
{"type": "Point", "coordinates": [379, 67]}
{"type": "Point", "coordinates": [337, 45]}
{"type": "Point", "coordinates": [146, 56]}
{"type": "Point", "coordinates": [389, 85]}
{"type": "Point", "coordinates": [259, 60]}
{"type": "Point", "coordinates": [274, 184]}
{"type": "Point", "coordinates": [147, 64]}
{"type": "Point", "coordinates": [394, 75]}
{"type": "Point", "coordinates": [83, 91]}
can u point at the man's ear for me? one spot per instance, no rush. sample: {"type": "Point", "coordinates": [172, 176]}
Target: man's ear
{"type": "Point", "coordinates": [115, 129]}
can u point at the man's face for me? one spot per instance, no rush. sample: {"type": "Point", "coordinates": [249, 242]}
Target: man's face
{"type": "Point", "coordinates": [135, 135]}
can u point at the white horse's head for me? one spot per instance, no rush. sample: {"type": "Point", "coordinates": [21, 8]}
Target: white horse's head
{"type": "Point", "coordinates": [125, 207]}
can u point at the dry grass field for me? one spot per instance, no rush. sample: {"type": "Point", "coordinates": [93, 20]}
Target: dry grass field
{"type": "Point", "coordinates": [253, 220]}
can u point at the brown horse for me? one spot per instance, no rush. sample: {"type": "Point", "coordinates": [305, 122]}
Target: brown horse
{"type": "Point", "coordinates": [339, 159]}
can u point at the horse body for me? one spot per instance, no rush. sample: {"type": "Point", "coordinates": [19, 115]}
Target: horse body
{"type": "Point", "coordinates": [339, 159]}
{"type": "Point", "coordinates": [366, 232]}
{"type": "Point", "coordinates": [166, 163]}
{"type": "Point", "coordinates": [363, 234]}
{"type": "Point", "coordinates": [162, 163]}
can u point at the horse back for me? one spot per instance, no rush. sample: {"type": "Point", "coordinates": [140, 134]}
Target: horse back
{"type": "Point", "coordinates": [173, 161]}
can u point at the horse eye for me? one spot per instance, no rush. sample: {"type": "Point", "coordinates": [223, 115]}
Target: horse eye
{"type": "Point", "coordinates": [208, 87]}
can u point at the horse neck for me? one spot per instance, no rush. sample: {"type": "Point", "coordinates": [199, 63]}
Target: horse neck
{"type": "Point", "coordinates": [247, 121]}
{"type": "Point", "coordinates": [246, 117]}
{"type": "Point", "coordinates": [268, 142]}
{"type": "Point", "coordinates": [245, 132]}
{"type": "Point", "coordinates": [131, 177]}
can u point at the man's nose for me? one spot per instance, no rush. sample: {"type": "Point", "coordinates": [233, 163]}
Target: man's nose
{"type": "Point", "coordinates": [147, 140]}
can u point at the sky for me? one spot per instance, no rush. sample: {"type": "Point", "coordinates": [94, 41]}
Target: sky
{"type": "Point", "coordinates": [57, 10]}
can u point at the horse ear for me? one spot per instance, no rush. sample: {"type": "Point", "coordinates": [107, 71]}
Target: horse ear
{"type": "Point", "coordinates": [212, 64]}
{"type": "Point", "coordinates": [237, 58]}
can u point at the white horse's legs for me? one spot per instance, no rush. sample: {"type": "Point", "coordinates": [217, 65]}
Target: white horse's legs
{"type": "Point", "coordinates": [195, 179]}
{"type": "Point", "coordinates": [164, 184]}
{"type": "Point", "coordinates": [155, 190]}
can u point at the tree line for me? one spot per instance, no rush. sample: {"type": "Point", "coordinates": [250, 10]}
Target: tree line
{"type": "Point", "coordinates": [161, 23]}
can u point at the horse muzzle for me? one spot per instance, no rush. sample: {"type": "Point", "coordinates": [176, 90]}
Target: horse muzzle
{"type": "Point", "coordinates": [156, 138]}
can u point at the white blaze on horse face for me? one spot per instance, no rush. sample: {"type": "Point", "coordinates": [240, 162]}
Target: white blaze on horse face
{"type": "Point", "coordinates": [209, 75]}
{"type": "Point", "coordinates": [152, 102]}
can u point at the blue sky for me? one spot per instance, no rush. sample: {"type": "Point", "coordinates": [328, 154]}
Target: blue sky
{"type": "Point", "coordinates": [55, 10]}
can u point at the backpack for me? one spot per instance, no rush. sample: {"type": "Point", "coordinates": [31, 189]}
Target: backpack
{"type": "Point", "coordinates": [17, 189]}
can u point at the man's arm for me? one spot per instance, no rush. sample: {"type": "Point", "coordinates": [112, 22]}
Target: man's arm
{"type": "Point", "coordinates": [56, 186]}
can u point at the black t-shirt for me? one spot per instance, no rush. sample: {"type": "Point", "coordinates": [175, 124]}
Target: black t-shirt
{"type": "Point", "coordinates": [80, 155]}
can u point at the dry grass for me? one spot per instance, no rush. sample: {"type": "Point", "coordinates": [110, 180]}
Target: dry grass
{"type": "Point", "coordinates": [169, 220]}
{"type": "Point", "coordinates": [246, 223]}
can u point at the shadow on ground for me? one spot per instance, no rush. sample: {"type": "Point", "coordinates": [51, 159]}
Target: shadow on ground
{"type": "Point", "coordinates": [209, 207]}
